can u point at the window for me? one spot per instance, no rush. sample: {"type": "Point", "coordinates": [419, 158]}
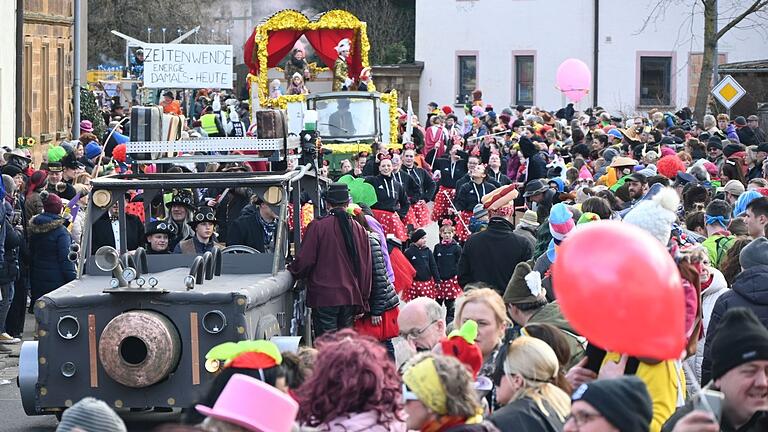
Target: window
{"type": "Point", "coordinates": [524, 80]}
{"type": "Point", "coordinates": [467, 83]}
{"type": "Point", "coordinates": [655, 81]}
{"type": "Point", "coordinates": [60, 88]}
{"type": "Point", "coordinates": [45, 107]}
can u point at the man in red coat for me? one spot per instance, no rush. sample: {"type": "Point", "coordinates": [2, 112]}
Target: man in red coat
{"type": "Point", "coordinates": [335, 258]}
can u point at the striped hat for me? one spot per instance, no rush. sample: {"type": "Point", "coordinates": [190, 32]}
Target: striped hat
{"type": "Point", "coordinates": [560, 221]}
{"type": "Point", "coordinates": [91, 415]}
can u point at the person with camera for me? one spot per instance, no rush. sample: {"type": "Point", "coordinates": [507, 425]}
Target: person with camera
{"type": "Point", "coordinates": [739, 373]}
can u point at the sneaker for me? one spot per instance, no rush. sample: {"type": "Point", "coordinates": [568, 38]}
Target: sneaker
{"type": "Point", "coordinates": [5, 338]}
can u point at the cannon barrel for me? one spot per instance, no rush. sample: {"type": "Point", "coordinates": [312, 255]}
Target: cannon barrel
{"type": "Point", "coordinates": [139, 348]}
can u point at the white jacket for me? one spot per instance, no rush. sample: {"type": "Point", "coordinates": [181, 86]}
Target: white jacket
{"type": "Point", "coordinates": [708, 298]}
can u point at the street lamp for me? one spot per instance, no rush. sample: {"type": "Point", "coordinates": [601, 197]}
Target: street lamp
{"type": "Point", "coordinates": [227, 36]}
{"type": "Point", "coordinates": [149, 34]}
{"type": "Point", "coordinates": [163, 34]}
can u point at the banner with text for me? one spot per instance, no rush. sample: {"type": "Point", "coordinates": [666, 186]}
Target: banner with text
{"type": "Point", "coordinates": [187, 66]}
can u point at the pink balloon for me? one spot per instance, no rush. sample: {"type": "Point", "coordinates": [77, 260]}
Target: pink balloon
{"type": "Point", "coordinates": [574, 79]}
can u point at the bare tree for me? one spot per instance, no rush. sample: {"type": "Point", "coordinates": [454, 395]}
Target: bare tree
{"type": "Point", "coordinates": [748, 14]}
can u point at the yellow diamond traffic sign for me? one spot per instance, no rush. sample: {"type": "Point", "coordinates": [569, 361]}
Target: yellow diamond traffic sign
{"type": "Point", "coordinates": [728, 91]}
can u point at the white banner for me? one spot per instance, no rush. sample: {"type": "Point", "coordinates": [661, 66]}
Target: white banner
{"type": "Point", "coordinates": [187, 66]}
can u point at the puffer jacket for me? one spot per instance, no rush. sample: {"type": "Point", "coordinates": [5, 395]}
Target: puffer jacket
{"type": "Point", "coordinates": [49, 243]}
{"type": "Point", "coordinates": [709, 297]}
{"type": "Point", "coordinates": [383, 295]}
{"type": "Point", "coordinates": [750, 290]}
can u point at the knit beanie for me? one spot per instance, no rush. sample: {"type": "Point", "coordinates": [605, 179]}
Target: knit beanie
{"type": "Point", "coordinates": [90, 415]}
{"type": "Point", "coordinates": [560, 221]}
{"type": "Point", "coordinates": [51, 202]}
{"type": "Point", "coordinates": [656, 215]}
{"type": "Point", "coordinates": [743, 201]}
{"type": "Point", "coordinates": [37, 180]}
{"type": "Point", "coordinates": [740, 338]}
{"type": "Point", "coordinates": [9, 186]}
{"type": "Point", "coordinates": [754, 254]}
{"type": "Point", "coordinates": [624, 402]}
{"type": "Point", "coordinates": [92, 150]}
{"type": "Point", "coordinates": [732, 148]}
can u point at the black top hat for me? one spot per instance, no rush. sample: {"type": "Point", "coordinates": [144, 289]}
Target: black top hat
{"type": "Point", "coordinates": [337, 193]}
{"type": "Point", "coordinates": [55, 167]}
{"type": "Point", "coordinates": [160, 227]}
{"type": "Point", "coordinates": [203, 214]}
{"type": "Point", "coordinates": [182, 197]}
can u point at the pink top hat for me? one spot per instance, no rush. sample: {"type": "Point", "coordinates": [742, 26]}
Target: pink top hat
{"type": "Point", "coordinates": [254, 405]}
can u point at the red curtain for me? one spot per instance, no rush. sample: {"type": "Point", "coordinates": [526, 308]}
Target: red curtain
{"type": "Point", "coordinates": [325, 40]}
{"type": "Point", "coordinates": [280, 44]}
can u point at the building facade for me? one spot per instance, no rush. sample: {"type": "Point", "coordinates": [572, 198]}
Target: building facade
{"type": "Point", "coordinates": [511, 49]}
{"type": "Point", "coordinates": [8, 75]}
{"type": "Point", "coordinates": [47, 70]}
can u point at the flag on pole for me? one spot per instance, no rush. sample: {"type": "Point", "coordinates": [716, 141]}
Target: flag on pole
{"type": "Point", "coordinates": [407, 136]}
{"type": "Point", "coordinates": [70, 211]}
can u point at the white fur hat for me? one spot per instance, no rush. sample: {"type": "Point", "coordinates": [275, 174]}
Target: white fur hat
{"type": "Point", "coordinates": [656, 215]}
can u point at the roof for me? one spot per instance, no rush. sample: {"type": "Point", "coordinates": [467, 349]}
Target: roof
{"type": "Point", "coordinates": [745, 66]}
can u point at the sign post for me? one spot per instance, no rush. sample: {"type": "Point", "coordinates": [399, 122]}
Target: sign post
{"type": "Point", "coordinates": [188, 66]}
{"type": "Point", "coordinates": [728, 92]}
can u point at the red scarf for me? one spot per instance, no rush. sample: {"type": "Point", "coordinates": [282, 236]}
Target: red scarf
{"type": "Point", "coordinates": [443, 423]}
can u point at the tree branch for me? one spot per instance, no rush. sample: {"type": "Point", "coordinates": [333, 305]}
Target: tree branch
{"type": "Point", "coordinates": [756, 6]}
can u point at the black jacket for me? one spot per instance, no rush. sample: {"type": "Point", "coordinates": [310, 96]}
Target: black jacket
{"type": "Point", "coordinates": [758, 422]}
{"type": "Point", "coordinates": [49, 243]}
{"type": "Point", "coordinates": [102, 234]}
{"type": "Point", "coordinates": [749, 290]}
{"type": "Point", "coordinates": [490, 256]}
{"type": "Point", "coordinates": [407, 181]}
{"type": "Point", "coordinates": [247, 230]}
{"type": "Point", "coordinates": [537, 167]}
{"type": "Point", "coordinates": [229, 209]}
{"type": "Point", "coordinates": [450, 171]}
{"type": "Point", "coordinates": [383, 295]}
{"type": "Point", "coordinates": [447, 259]}
{"type": "Point", "coordinates": [467, 179]}
{"type": "Point", "coordinates": [13, 240]}
{"type": "Point", "coordinates": [422, 185]}
{"type": "Point", "coordinates": [524, 415]}
{"type": "Point", "coordinates": [390, 195]}
{"type": "Point", "coordinates": [747, 136]}
{"type": "Point", "coordinates": [500, 178]}
{"type": "Point", "coordinates": [469, 195]}
{"type": "Point", "coordinates": [423, 262]}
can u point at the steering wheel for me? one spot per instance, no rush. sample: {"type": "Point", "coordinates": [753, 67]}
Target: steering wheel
{"type": "Point", "coordinates": [240, 249]}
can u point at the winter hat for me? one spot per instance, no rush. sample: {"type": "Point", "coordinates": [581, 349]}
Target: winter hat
{"type": "Point", "coordinates": [92, 150]}
{"type": "Point", "coordinates": [56, 153]}
{"type": "Point", "coordinates": [624, 402]}
{"type": "Point", "coordinates": [418, 235]}
{"type": "Point", "coordinates": [37, 180]}
{"type": "Point", "coordinates": [86, 126]}
{"type": "Point", "coordinates": [666, 151]}
{"type": "Point", "coordinates": [11, 170]}
{"type": "Point", "coordinates": [9, 186]}
{"type": "Point", "coordinates": [649, 171]}
{"type": "Point", "coordinates": [524, 286]}
{"type": "Point", "coordinates": [740, 338]}
{"type": "Point", "coordinates": [669, 166]}
{"type": "Point", "coordinates": [609, 154]}
{"type": "Point", "coordinates": [731, 148]}
{"type": "Point", "coordinates": [743, 201]}
{"type": "Point", "coordinates": [529, 218]}
{"type": "Point", "coordinates": [90, 415]}
{"type": "Point", "coordinates": [51, 202]}
{"type": "Point", "coordinates": [714, 142]}
{"type": "Point", "coordinates": [754, 254]}
{"type": "Point", "coordinates": [740, 121]}
{"type": "Point", "coordinates": [479, 211]}
{"type": "Point", "coordinates": [734, 187]}
{"type": "Point", "coordinates": [712, 169]}
{"type": "Point", "coordinates": [656, 215]}
{"type": "Point", "coordinates": [560, 221]}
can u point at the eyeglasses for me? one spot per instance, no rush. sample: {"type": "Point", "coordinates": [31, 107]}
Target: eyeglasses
{"type": "Point", "coordinates": [408, 395]}
{"type": "Point", "coordinates": [413, 334]}
{"type": "Point", "coordinates": [582, 418]}
{"type": "Point", "coordinates": [200, 217]}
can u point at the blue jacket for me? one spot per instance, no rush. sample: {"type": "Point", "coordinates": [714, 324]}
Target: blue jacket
{"type": "Point", "coordinates": [49, 243]}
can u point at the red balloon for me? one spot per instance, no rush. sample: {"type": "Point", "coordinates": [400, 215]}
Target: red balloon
{"type": "Point", "coordinates": [620, 288]}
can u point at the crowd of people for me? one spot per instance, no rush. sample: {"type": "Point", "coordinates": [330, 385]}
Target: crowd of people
{"type": "Point", "coordinates": [484, 344]}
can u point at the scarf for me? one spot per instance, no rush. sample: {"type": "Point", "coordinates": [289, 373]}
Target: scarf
{"type": "Point", "coordinates": [346, 232]}
{"type": "Point", "coordinates": [444, 423]}
{"type": "Point", "coordinates": [269, 229]}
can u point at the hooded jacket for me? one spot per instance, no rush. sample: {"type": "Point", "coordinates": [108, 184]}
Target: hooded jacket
{"type": "Point", "coordinates": [749, 290]}
{"type": "Point", "coordinates": [383, 295]}
{"type": "Point", "coordinates": [491, 256]}
{"type": "Point", "coordinates": [49, 243]}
